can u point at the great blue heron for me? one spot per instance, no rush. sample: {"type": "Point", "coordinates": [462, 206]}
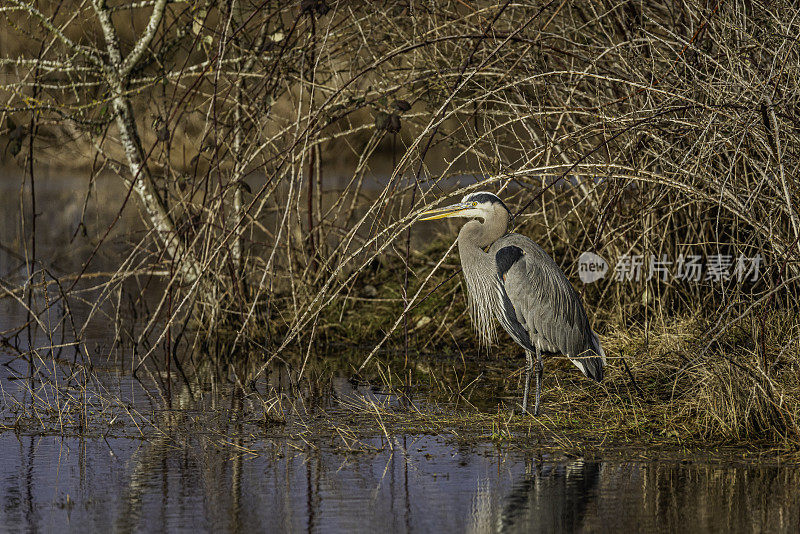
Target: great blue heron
{"type": "Point", "coordinates": [517, 282]}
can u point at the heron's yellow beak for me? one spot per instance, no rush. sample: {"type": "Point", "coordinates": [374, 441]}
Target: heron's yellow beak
{"type": "Point", "coordinates": [441, 213]}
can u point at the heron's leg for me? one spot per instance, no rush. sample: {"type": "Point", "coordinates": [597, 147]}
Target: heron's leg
{"type": "Point", "coordinates": [539, 369]}
{"type": "Point", "coordinates": [528, 367]}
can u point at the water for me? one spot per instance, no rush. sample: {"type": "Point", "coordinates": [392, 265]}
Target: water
{"type": "Point", "coordinates": [418, 484]}
{"type": "Point", "coordinates": [203, 467]}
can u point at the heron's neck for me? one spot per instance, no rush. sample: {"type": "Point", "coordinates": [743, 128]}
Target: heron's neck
{"type": "Point", "coordinates": [479, 270]}
{"type": "Point", "coordinates": [476, 235]}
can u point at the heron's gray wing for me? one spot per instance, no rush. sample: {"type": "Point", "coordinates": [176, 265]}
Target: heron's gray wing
{"type": "Point", "coordinates": [544, 301]}
{"type": "Point", "coordinates": [514, 323]}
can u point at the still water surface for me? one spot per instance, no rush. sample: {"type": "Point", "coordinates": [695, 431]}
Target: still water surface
{"type": "Point", "coordinates": [406, 483]}
{"type": "Point", "coordinates": [421, 484]}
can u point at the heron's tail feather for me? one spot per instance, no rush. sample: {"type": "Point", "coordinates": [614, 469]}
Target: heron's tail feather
{"type": "Point", "coordinates": [592, 362]}
{"type": "Point", "coordinates": [598, 348]}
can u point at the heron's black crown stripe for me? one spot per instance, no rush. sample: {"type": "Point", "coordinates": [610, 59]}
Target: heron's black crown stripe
{"type": "Point", "coordinates": [488, 197]}
{"type": "Point", "coordinates": [506, 257]}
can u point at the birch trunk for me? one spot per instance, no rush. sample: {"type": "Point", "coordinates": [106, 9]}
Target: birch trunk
{"type": "Point", "coordinates": [153, 204]}
{"type": "Point", "coordinates": [117, 70]}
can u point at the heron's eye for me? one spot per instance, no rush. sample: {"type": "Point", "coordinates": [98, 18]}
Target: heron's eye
{"type": "Point", "coordinates": [474, 204]}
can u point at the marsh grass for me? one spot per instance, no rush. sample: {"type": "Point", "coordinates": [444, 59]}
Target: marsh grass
{"type": "Point", "coordinates": [665, 402]}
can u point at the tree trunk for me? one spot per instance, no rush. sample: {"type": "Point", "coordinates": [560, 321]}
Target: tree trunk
{"type": "Point", "coordinates": [143, 184]}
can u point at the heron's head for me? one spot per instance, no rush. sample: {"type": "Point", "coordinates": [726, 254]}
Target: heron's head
{"type": "Point", "coordinates": [482, 205]}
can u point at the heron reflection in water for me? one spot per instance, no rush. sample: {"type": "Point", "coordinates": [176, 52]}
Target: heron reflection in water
{"type": "Point", "coordinates": [520, 285]}
{"type": "Point", "coordinates": [552, 498]}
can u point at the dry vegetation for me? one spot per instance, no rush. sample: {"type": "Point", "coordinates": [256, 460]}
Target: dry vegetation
{"type": "Point", "coordinates": [616, 127]}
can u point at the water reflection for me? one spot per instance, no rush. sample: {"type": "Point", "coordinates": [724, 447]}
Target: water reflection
{"type": "Point", "coordinates": [552, 498]}
{"type": "Point", "coordinates": [415, 483]}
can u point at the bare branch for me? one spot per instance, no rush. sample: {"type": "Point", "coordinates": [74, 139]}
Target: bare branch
{"type": "Point", "coordinates": [88, 52]}
{"type": "Point", "coordinates": [144, 41]}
